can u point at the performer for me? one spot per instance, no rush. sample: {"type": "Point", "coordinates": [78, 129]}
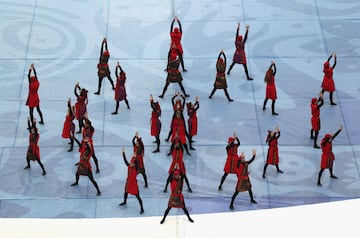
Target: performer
{"type": "Point", "coordinates": [176, 35]}
{"type": "Point", "coordinates": [316, 104]}
{"type": "Point", "coordinates": [220, 80]}
{"type": "Point", "coordinates": [177, 153]}
{"type": "Point", "coordinates": [84, 166]}
{"type": "Point", "coordinates": [120, 90]}
{"type": "Point", "coordinates": [176, 199]}
{"type": "Point", "coordinates": [103, 67]}
{"type": "Point", "coordinates": [69, 126]}
{"type": "Point", "coordinates": [243, 183]}
{"type": "Point", "coordinates": [270, 87]}
{"type": "Point", "coordinates": [139, 152]}
{"type": "Point", "coordinates": [273, 150]}
{"type": "Point", "coordinates": [174, 75]}
{"type": "Point", "coordinates": [232, 158]}
{"type": "Point", "coordinates": [327, 156]}
{"type": "Point", "coordinates": [178, 130]}
{"type": "Point", "coordinates": [178, 106]}
{"type": "Point", "coordinates": [328, 84]}
{"type": "Point", "coordinates": [155, 127]}
{"type": "Point", "coordinates": [33, 152]}
{"type": "Point", "coordinates": [33, 96]}
{"type": "Point", "coordinates": [192, 120]}
{"type": "Point", "coordinates": [80, 105]}
{"type": "Point", "coordinates": [239, 55]}
{"type": "Point", "coordinates": [131, 185]}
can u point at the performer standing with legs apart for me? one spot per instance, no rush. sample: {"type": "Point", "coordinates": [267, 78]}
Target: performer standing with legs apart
{"type": "Point", "coordinates": [239, 55]}
{"type": "Point", "coordinates": [120, 90]}
{"type": "Point", "coordinates": [192, 120]}
{"type": "Point", "coordinates": [33, 96]}
{"type": "Point", "coordinates": [33, 152]}
{"type": "Point", "coordinates": [176, 199]}
{"type": "Point", "coordinates": [69, 125]}
{"type": "Point", "coordinates": [327, 156]}
{"type": "Point", "coordinates": [328, 84]}
{"type": "Point", "coordinates": [155, 122]}
{"type": "Point", "coordinates": [270, 87]}
{"type": "Point", "coordinates": [220, 80]}
{"type": "Point", "coordinates": [131, 185]}
{"type": "Point", "coordinates": [176, 35]}
{"type": "Point", "coordinates": [231, 159]}
{"type": "Point", "coordinates": [316, 104]}
{"type": "Point", "coordinates": [84, 166]}
{"type": "Point", "coordinates": [103, 66]}
{"type": "Point", "coordinates": [80, 105]}
{"type": "Point", "coordinates": [174, 75]}
{"type": "Point", "coordinates": [243, 183]}
{"type": "Point", "coordinates": [273, 150]}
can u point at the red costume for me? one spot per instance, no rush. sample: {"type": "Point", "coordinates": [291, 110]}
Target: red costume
{"type": "Point", "coordinates": [232, 156]}
{"type": "Point", "coordinates": [177, 161]}
{"type": "Point", "coordinates": [220, 80]}
{"type": "Point", "coordinates": [270, 84]}
{"type": "Point", "coordinates": [155, 127]}
{"type": "Point", "coordinates": [33, 97]}
{"type": "Point", "coordinates": [176, 198]}
{"type": "Point", "coordinates": [84, 166]}
{"type": "Point", "coordinates": [131, 185]}
{"type": "Point", "coordinates": [81, 103]}
{"type": "Point", "coordinates": [33, 152]}
{"type": "Point", "coordinates": [315, 113]}
{"type": "Point", "coordinates": [273, 150]}
{"type": "Point", "coordinates": [239, 55]}
{"type": "Point", "coordinates": [69, 125]}
{"type": "Point", "coordinates": [192, 121]}
{"type": "Point", "coordinates": [243, 183]}
{"type": "Point", "coordinates": [120, 90]}
{"type": "Point", "coordinates": [327, 156]}
{"type": "Point", "coordinates": [328, 84]}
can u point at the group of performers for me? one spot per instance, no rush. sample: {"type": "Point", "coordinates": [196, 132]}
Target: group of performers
{"type": "Point", "coordinates": [181, 133]}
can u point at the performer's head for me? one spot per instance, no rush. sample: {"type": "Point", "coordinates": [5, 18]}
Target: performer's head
{"type": "Point", "coordinates": [313, 100]}
{"type": "Point", "coordinates": [326, 65]}
{"type": "Point", "coordinates": [239, 38]}
{"type": "Point", "coordinates": [176, 30]}
{"type": "Point", "coordinates": [230, 140]}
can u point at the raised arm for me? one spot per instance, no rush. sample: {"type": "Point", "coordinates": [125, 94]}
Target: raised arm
{"type": "Point", "coordinates": [334, 61]}
{"type": "Point", "coordinates": [237, 31]}
{"type": "Point", "coordinates": [246, 33]}
{"type": "Point", "coordinates": [75, 89]}
{"type": "Point", "coordinates": [124, 157]}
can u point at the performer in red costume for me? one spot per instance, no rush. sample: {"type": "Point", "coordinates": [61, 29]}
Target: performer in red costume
{"type": "Point", "coordinates": [239, 55]}
{"type": "Point", "coordinates": [174, 75]}
{"type": "Point", "coordinates": [80, 105]}
{"type": "Point", "coordinates": [139, 150]}
{"type": "Point", "coordinates": [155, 123]}
{"type": "Point", "coordinates": [220, 80]}
{"type": "Point", "coordinates": [243, 183]}
{"type": "Point", "coordinates": [177, 153]}
{"type": "Point", "coordinates": [273, 150]}
{"type": "Point", "coordinates": [33, 96]}
{"type": "Point", "coordinates": [33, 152]}
{"type": "Point", "coordinates": [316, 104]}
{"type": "Point", "coordinates": [270, 87]}
{"type": "Point", "coordinates": [175, 36]}
{"type": "Point", "coordinates": [327, 156]}
{"type": "Point", "coordinates": [178, 103]}
{"type": "Point", "coordinates": [328, 84]}
{"type": "Point", "coordinates": [131, 185]}
{"type": "Point", "coordinates": [84, 166]}
{"type": "Point", "coordinates": [178, 130]}
{"type": "Point", "coordinates": [120, 89]}
{"type": "Point", "coordinates": [176, 199]}
{"type": "Point", "coordinates": [231, 159]}
{"type": "Point", "coordinates": [192, 120]}
{"type": "Point", "coordinates": [69, 126]}
{"type": "Point", "coordinates": [103, 66]}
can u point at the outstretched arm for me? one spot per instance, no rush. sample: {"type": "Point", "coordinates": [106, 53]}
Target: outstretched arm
{"type": "Point", "coordinates": [124, 157]}
{"type": "Point", "coordinates": [172, 25]}
{"type": "Point", "coordinates": [334, 61]}
{"type": "Point", "coordinates": [246, 33]}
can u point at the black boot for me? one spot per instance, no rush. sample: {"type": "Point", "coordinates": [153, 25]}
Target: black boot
{"type": "Point", "coordinates": [273, 108]}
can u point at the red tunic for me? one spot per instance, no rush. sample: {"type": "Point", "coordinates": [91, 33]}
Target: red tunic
{"type": "Point", "coordinates": [273, 151]}
{"type": "Point", "coordinates": [33, 152]}
{"type": "Point", "coordinates": [239, 55]}
{"type": "Point", "coordinates": [232, 159]}
{"type": "Point", "coordinates": [328, 81]}
{"type": "Point", "coordinates": [192, 121]}
{"type": "Point", "coordinates": [220, 80]}
{"type": "Point", "coordinates": [270, 85]}
{"type": "Point", "coordinates": [243, 183]}
{"type": "Point", "coordinates": [176, 39]}
{"type": "Point", "coordinates": [120, 90]}
{"type": "Point", "coordinates": [174, 75]}
{"type": "Point", "coordinates": [176, 199]}
{"type": "Point", "coordinates": [177, 159]}
{"type": "Point", "coordinates": [327, 156]}
{"type": "Point", "coordinates": [155, 127]}
{"type": "Point", "coordinates": [315, 117]}
{"type": "Point", "coordinates": [69, 126]}
{"type": "Point", "coordinates": [103, 67]}
{"type": "Point", "coordinates": [33, 97]}
{"type": "Point", "coordinates": [80, 107]}
{"type": "Point", "coordinates": [84, 166]}
{"type": "Point", "coordinates": [178, 127]}
{"type": "Point", "coordinates": [131, 185]}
